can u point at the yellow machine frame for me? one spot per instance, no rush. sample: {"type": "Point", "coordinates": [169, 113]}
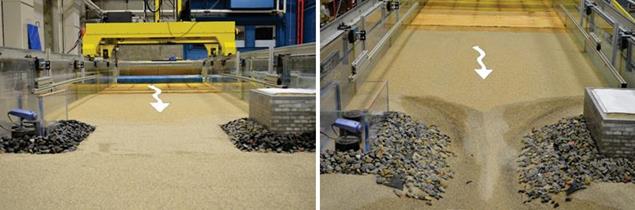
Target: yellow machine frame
{"type": "Point", "coordinates": [219, 38]}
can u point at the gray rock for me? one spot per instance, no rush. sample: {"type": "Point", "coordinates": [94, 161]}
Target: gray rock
{"type": "Point", "coordinates": [404, 153]}
{"type": "Point", "coordinates": [563, 157]}
{"type": "Point", "coordinates": [64, 136]}
{"type": "Point", "coordinates": [248, 135]}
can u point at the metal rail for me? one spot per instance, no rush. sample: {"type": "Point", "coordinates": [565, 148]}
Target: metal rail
{"type": "Point", "coordinates": [368, 56]}
{"type": "Point", "coordinates": [330, 32]}
{"type": "Point", "coordinates": [267, 65]}
{"type": "Point", "coordinates": [36, 80]}
{"type": "Point", "coordinates": [353, 43]}
{"type": "Point", "coordinates": [611, 53]}
{"type": "Point", "coordinates": [252, 80]}
{"type": "Point", "coordinates": [55, 85]}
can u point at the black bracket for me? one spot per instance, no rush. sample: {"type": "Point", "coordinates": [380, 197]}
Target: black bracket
{"type": "Point", "coordinates": [362, 35]}
{"type": "Point", "coordinates": [351, 36]}
{"type": "Point", "coordinates": [42, 64]}
{"type": "Point", "coordinates": [77, 64]}
{"type": "Point", "coordinates": [392, 5]}
{"type": "Point", "coordinates": [105, 54]}
{"type": "Point", "coordinates": [284, 74]}
{"type": "Point", "coordinates": [588, 8]}
{"type": "Point", "coordinates": [353, 75]}
{"type": "Point", "coordinates": [624, 39]}
{"type": "Point", "coordinates": [343, 26]}
{"type": "Point", "coordinates": [354, 35]}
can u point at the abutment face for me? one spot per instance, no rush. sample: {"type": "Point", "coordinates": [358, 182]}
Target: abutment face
{"type": "Point", "coordinates": [614, 132]}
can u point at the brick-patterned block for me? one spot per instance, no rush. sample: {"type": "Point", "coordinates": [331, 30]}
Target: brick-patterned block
{"type": "Point", "coordinates": [613, 132]}
{"type": "Point", "coordinates": [283, 110]}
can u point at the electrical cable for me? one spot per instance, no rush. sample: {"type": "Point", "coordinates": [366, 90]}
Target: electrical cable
{"type": "Point", "coordinates": [157, 8]}
{"type": "Point", "coordinates": [171, 2]}
{"type": "Point", "coordinates": [337, 11]}
{"type": "Point", "coordinates": [74, 46]}
{"type": "Point", "coordinates": [169, 29]}
{"type": "Point", "coordinates": [145, 11]}
{"type": "Point", "coordinates": [188, 30]}
{"type": "Point", "coordinates": [145, 2]}
{"type": "Point", "coordinates": [11, 120]}
{"type": "Point", "coordinates": [145, 14]}
{"type": "Point", "coordinates": [5, 128]}
{"type": "Point", "coordinates": [333, 129]}
{"type": "Point", "coordinates": [327, 136]}
{"type": "Point", "coordinates": [78, 41]}
{"type": "Point", "coordinates": [330, 137]}
{"type": "Point", "coordinates": [214, 5]}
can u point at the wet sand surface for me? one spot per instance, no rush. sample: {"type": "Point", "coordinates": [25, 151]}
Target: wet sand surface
{"type": "Point", "coordinates": [141, 159]}
{"type": "Point", "coordinates": [490, 13]}
{"type": "Point", "coordinates": [539, 77]}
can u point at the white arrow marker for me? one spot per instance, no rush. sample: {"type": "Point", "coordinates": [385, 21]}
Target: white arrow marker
{"type": "Point", "coordinates": [483, 71]}
{"type": "Point", "coordinates": [159, 105]}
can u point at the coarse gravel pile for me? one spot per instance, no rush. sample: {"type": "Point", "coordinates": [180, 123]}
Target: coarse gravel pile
{"type": "Point", "coordinates": [405, 154]}
{"type": "Point", "coordinates": [248, 135]}
{"type": "Point", "coordinates": [563, 157]}
{"type": "Point", "coordinates": [65, 136]}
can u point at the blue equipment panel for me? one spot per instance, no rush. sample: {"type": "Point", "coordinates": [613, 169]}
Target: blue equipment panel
{"type": "Point", "coordinates": [34, 37]}
{"type": "Point", "coordinates": [251, 4]}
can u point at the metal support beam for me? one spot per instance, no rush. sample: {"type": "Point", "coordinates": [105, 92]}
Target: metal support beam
{"type": "Point", "coordinates": [157, 11]}
{"type": "Point", "coordinates": [179, 7]}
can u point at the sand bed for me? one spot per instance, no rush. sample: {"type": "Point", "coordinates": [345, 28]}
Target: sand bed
{"type": "Point", "coordinates": [539, 77]}
{"type": "Point", "coordinates": [140, 159]}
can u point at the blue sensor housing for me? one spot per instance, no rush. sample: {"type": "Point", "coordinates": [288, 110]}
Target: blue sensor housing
{"type": "Point", "coordinates": [348, 125]}
{"type": "Point", "coordinates": [23, 114]}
